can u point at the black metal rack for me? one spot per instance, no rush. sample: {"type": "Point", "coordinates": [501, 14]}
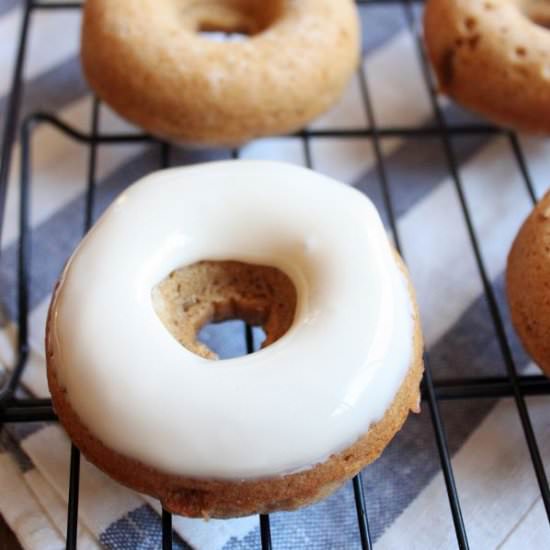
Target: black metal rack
{"type": "Point", "coordinates": [515, 385]}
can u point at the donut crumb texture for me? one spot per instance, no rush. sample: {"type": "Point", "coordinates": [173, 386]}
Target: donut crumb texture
{"type": "Point", "coordinates": [528, 284]}
{"type": "Point", "coordinates": [216, 291]}
{"type": "Point", "coordinates": [492, 57]}
{"type": "Point", "coordinates": [247, 17]}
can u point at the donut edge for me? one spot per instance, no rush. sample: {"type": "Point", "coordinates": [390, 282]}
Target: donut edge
{"type": "Point", "coordinates": [527, 289]}
{"type": "Point", "coordinates": [204, 498]}
{"type": "Point", "coordinates": [478, 69]}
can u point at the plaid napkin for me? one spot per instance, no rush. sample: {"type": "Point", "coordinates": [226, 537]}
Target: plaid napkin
{"type": "Point", "coordinates": [406, 498]}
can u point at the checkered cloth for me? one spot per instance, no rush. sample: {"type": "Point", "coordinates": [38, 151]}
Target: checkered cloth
{"type": "Point", "coordinates": [406, 498]}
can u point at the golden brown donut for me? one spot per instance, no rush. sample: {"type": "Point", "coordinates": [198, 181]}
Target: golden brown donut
{"type": "Point", "coordinates": [147, 60]}
{"type": "Point", "coordinates": [528, 284]}
{"type": "Point", "coordinates": [493, 57]}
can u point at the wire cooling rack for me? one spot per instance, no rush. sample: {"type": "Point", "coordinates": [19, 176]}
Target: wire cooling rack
{"type": "Point", "coordinates": [14, 409]}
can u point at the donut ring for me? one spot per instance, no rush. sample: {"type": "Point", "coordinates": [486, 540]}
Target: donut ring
{"type": "Point", "coordinates": [527, 276]}
{"type": "Point", "coordinates": [269, 431]}
{"type": "Point", "coordinates": [493, 57]}
{"type": "Point", "coordinates": [147, 60]}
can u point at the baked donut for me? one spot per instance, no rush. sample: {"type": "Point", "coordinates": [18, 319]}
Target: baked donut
{"type": "Point", "coordinates": [493, 56]}
{"type": "Point", "coordinates": [281, 246]}
{"type": "Point", "coordinates": [148, 60]}
{"type": "Point", "coordinates": [528, 284]}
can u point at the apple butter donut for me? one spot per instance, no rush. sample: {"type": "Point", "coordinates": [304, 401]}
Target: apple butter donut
{"type": "Point", "coordinates": [149, 61]}
{"type": "Point", "coordinates": [493, 56]}
{"type": "Point", "coordinates": [528, 284]}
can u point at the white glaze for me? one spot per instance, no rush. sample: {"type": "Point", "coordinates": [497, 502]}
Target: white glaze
{"type": "Point", "coordinates": [283, 409]}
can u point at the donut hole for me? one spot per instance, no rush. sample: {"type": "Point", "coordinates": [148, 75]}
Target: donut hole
{"type": "Point", "coordinates": [236, 19]}
{"type": "Point", "coordinates": [212, 292]}
{"type": "Point", "coordinates": [218, 36]}
{"type": "Point", "coordinates": [538, 11]}
{"type": "Point", "coordinates": [227, 338]}
{"type": "Point", "coordinates": [541, 19]}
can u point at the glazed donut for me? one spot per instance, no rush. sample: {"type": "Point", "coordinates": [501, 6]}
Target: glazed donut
{"type": "Point", "coordinates": [283, 247]}
{"type": "Point", "coordinates": [527, 276]}
{"type": "Point", "coordinates": [492, 56]}
{"type": "Point", "coordinates": [149, 62]}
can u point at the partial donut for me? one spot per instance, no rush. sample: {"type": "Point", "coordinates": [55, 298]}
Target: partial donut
{"type": "Point", "coordinates": [528, 284]}
{"type": "Point", "coordinates": [305, 257]}
{"type": "Point", "coordinates": [148, 60]}
{"type": "Point", "coordinates": [493, 57]}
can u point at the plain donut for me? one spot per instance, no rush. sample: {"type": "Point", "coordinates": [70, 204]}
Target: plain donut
{"type": "Point", "coordinates": [527, 284]}
{"type": "Point", "coordinates": [493, 57]}
{"type": "Point", "coordinates": [147, 60]}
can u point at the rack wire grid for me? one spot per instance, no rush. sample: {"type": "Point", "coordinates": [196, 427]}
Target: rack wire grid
{"type": "Point", "coordinates": [513, 384]}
